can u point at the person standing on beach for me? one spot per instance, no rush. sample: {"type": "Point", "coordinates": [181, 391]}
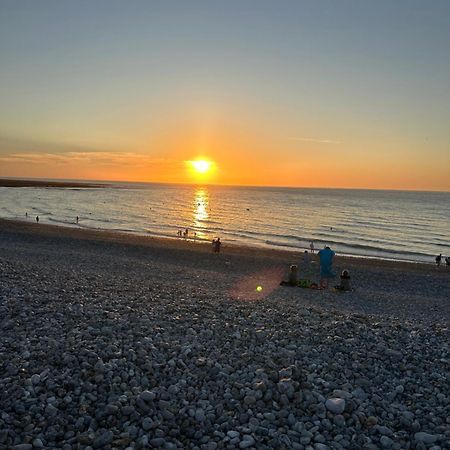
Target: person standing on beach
{"type": "Point", "coordinates": [311, 246]}
{"type": "Point", "coordinates": [78, 219]}
{"type": "Point", "coordinates": [216, 245]}
{"type": "Point", "coordinates": [306, 263]}
{"type": "Point", "coordinates": [37, 219]}
{"type": "Point", "coordinates": [438, 259]}
{"type": "Point", "coordinates": [306, 258]}
{"type": "Point", "coordinates": [326, 256]}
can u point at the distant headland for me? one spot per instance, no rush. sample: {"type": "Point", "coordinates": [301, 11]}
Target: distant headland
{"type": "Point", "coordinates": [45, 183]}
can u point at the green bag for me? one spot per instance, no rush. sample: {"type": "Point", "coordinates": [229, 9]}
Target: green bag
{"type": "Point", "coordinates": [304, 283]}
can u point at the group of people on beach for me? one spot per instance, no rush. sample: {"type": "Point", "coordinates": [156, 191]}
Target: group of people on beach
{"type": "Point", "coordinates": [438, 260]}
{"type": "Point", "coordinates": [326, 256]}
{"type": "Point", "coordinates": [185, 233]}
{"type": "Point", "coordinates": [216, 243]}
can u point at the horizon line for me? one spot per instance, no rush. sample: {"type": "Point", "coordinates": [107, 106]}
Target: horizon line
{"type": "Point", "coordinates": [224, 184]}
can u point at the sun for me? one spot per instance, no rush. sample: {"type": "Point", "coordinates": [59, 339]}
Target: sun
{"type": "Point", "coordinates": [201, 166]}
{"type": "Point", "coordinates": [201, 169]}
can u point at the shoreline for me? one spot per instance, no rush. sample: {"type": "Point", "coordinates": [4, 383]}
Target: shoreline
{"type": "Point", "coordinates": [190, 244]}
{"type": "Point", "coordinates": [358, 239]}
{"type": "Point", "coordinates": [68, 230]}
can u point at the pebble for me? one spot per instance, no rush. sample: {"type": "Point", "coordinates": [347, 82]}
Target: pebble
{"type": "Point", "coordinates": [247, 441]}
{"type": "Point", "coordinates": [335, 405]}
{"type": "Point", "coordinates": [37, 443]}
{"type": "Point", "coordinates": [233, 434]}
{"type": "Point", "coordinates": [121, 358]}
{"type": "Point", "coordinates": [36, 379]}
{"type": "Point", "coordinates": [103, 439]}
{"type": "Point", "coordinates": [426, 438]}
{"type": "Point", "coordinates": [371, 421]}
{"type": "Point", "coordinates": [339, 420]}
{"type": "Point", "coordinates": [386, 442]}
{"type": "Point", "coordinates": [147, 396]}
{"type": "Point", "coordinates": [157, 442]}
{"type": "Point", "coordinates": [320, 446]}
{"type": "Point", "coordinates": [384, 431]}
{"type": "Point", "coordinates": [147, 424]}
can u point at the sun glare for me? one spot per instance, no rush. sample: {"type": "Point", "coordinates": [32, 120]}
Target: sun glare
{"type": "Point", "coordinates": [201, 166]}
{"type": "Point", "coordinates": [201, 169]}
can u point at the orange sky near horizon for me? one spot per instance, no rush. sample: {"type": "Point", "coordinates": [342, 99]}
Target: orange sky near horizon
{"type": "Point", "coordinates": [238, 160]}
{"type": "Point", "coordinates": [244, 152]}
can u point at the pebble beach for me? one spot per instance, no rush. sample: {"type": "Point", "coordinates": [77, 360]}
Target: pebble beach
{"type": "Point", "coordinates": [116, 341]}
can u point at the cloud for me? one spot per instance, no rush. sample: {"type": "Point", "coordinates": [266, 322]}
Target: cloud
{"type": "Point", "coordinates": [11, 144]}
{"type": "Point", "coordinates": [318, 141]}
{"type": "Point", "coordinates": [34, 152]}
{"type": "Point", "coordinates": [111, 159]}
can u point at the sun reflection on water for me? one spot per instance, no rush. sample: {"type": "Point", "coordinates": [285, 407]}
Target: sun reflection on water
{"type": "Point", "coordinates": [201, 211]}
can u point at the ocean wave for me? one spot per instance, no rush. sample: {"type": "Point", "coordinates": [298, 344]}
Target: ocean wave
{"type": "Point", "coordinates": [366, 251]}
{"type": "Point", "coordinates": [99, 219]}
{"type": "Point", "coordinates": [208, 221]}
{"type": "Point", "coordinates": [42, 212]}
{"type": "Point", "coordinates": [412, 226]}
{"type": "Point", "coordinates": [124, 230]}
{"type": "Point", "coordinates": [331, 238]}
{"type": "Point", "coordinates": [8, 212]}
{"type": "Point", "coordinates": [61, 221]}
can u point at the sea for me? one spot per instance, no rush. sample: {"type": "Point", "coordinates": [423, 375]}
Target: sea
{"type": "Point", "coordinates": [399, 225]}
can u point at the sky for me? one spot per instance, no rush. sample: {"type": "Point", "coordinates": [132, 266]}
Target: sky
{"type": "Point", "coordinates": [319, 93]}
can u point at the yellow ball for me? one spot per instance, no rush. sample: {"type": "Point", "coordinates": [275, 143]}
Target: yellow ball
{"type": "Point", "coordinates": [259, 288]}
